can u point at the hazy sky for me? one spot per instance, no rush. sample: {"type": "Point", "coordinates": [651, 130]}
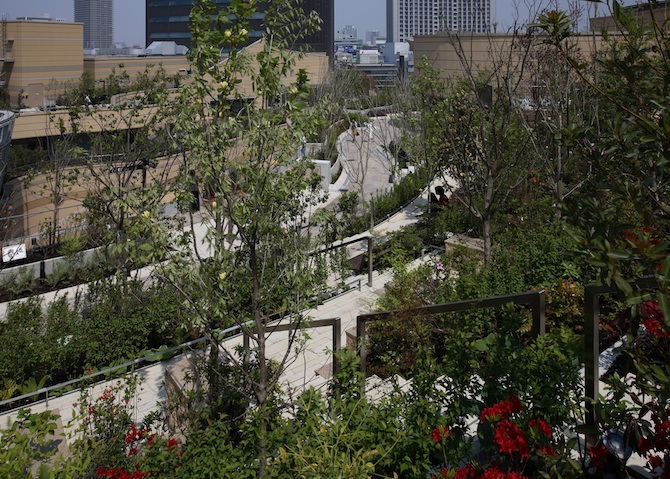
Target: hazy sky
{"type": "Point", "coordinates": [365, 15]}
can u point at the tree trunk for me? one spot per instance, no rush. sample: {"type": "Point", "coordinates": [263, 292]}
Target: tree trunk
{"type": "Point", "coordinates": [486, 217]}
{"type": "Point", "coordinates": [261, 386]}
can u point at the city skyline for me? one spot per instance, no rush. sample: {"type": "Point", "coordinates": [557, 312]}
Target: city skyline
{"type": "Point", "coordinates": [129, 15]}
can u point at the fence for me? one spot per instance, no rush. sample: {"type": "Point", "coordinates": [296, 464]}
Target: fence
{"type": "Point", "coordinates": [534, 299]}
{"type": "Point", "coordinates": [592, 294]}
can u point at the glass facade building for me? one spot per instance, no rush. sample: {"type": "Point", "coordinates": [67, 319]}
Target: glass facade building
{"type": "Point", "coordinates": [97, 17]}
{"type": "Point", "coordinates": [167, 20]}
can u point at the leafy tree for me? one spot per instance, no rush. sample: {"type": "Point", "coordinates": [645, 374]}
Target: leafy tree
{"type": "Point", "coordinates": [621, 227]}
{"type": "Point", "coordinates": [257, 261]}
{"type": "Point", "coordinates": [563, 120]}
{"type": "Point", "coordinates": [479, 139]}
{"type": "Point", "coordinates": [126, 168]}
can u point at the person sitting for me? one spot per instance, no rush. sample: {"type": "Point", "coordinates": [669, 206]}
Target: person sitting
{"type": "Point", "coordinates": [439, 197]}
{"type": "Point", "coordinates": [444, 199]}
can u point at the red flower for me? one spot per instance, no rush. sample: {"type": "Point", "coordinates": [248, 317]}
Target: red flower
{"type": "Point", "coordinates": [542, 425]}
{"type": "Point", "coordinates": [172, 443]}
{"type": "Point", "coordinates": [598, 456]}
{"type": "Point", "coordinates": [547, 451]}
{"type": "Point", "coordinates": [510, 439]}
{"type": "Point", "coordinates": [655, 461]}
{"type": "Point", "coordinates": [135, 434]}
{"type": "Point", "coordinates": [656, 328]}
{"type": "Point", "coordinates": [441, 432]}
{"type": "Point", "coordinates": [502, 410]}
{"type": "Point", "coordinates": [514, 403]}
{"type": "Point", "coordinates": [465, 472]}
{"type": "Point", "coordinates": [444, 472]}
{"type": "Point", "coordinates": [132, 452]}
{"type": "Point", "coordinates": [643, 446]}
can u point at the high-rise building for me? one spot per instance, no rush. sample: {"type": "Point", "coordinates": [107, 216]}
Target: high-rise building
{"type": "Point", "coordinates": [407, 18]}
{"type": "Point", "coordinates": [97, 17]}
{"type": "Point", "coordinates": [349, 32]}
{"type": "Point", "coordinates": [167, 20]}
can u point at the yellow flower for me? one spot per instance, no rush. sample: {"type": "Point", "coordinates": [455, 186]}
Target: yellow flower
{"type": "Point", "coordinates": [243, 31]}
{"type": "Point", "coordinates": [213, 204]}
{"type": "Point", "coordinates": [222, 276]}
{"type": "Point", "coordinates": [224, 84]}
{"type": "Point", "coordinates": [227, 33]}
{"type": "Point", "coordinates": [293, 90]}
{"type": "Point", "coordinates": [146, 214]}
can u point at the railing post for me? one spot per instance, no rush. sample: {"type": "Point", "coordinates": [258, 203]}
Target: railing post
{"type": "Point", "coordinates": [538, 306]}
{"type": "Point", "coordinates": [337, 344]}
{"type": "Point", "coordinates": [370, 261]}
{"type": "Point", "coordinates": [591, 353]}
{"type": "Point", "coordinates": [362, 351]}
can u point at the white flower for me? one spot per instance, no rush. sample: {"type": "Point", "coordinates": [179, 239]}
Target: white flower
{"type": "Point", "coordinates": [243, 31]}
{"type": "Point", "coordinates": [227, 33]}
{"type": "Point", "coordinates": [222, 276]}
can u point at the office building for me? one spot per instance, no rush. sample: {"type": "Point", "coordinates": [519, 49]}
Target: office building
{"type": "Point", "coordinates": [97, 17]}
{"type": "Point", "coordinates": [167, 20]}
{"type": "Point", "coordinates": [408, 18]}
{"type": "Point", "coordinates": [349, 32]}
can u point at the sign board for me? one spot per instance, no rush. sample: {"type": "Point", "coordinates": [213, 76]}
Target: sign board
{"type": "Point", "coordinates": [13, 252]}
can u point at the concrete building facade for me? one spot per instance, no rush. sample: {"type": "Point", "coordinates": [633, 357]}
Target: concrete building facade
{"type": "Point", "coordinates": [6, 126]}
{"type": "Point", "coordinates": [97, 17]}
{"type": "Point", "coordinates": [406, 19]}
{"type": "Point", "coordinates": [453, 54]}
{"type": "Point", "coordinates": [39, 57]}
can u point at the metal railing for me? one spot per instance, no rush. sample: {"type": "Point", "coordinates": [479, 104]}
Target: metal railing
{"type": "Point", "coordinates": [592, 294]}
{"type": "Point", "coordinates": [61, 388]}
{"type": "Point", "coordinates": [536, 300]}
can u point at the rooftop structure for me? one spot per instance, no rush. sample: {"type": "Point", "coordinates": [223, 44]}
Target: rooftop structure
{"type": "Point", "coordinates": [349, 32]}
{"type": "Point", "coordinates": [97, 17]}
{"type": "Point", "coordinates": [44, 18]}
{"type": "Point", "coordinates": [38, 56]}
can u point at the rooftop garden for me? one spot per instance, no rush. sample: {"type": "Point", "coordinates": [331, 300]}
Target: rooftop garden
{"type": "Point", "coordinates": [573, 195]}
